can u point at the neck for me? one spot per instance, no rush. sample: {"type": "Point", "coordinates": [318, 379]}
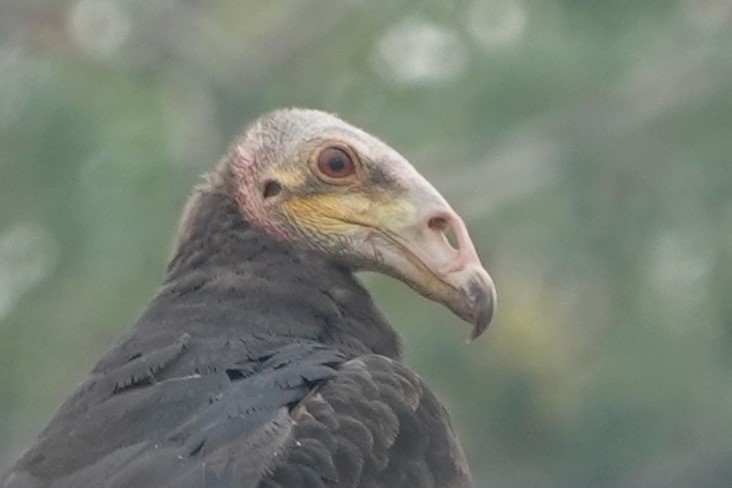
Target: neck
{"type": "Point", "coordinates": [231, 278]}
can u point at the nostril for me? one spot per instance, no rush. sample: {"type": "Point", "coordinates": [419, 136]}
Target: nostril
{"type": "Point", "coordinates": [442, 225]}
{"type": "Point", "coordinates": [451, 238]}
{"type": "Point", "coordinates": [438, 223]}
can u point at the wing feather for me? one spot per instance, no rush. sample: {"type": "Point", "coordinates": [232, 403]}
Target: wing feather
{"type": "Point", "coordinates": [299, 415]}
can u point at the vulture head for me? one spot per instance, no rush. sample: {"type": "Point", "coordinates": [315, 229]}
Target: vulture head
{"type": "Point", "coordinates": [311, 179]}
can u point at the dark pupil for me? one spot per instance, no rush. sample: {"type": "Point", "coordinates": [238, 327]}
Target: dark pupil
{"type": "Point", "coordinates": [336, 163]}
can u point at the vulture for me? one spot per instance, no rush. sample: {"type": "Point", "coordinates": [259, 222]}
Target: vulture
{"type": "Point", "coordinates": [262, 361]}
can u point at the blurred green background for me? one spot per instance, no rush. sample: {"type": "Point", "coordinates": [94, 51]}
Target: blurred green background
{"type": "Point", "coordinates": [587, 143]}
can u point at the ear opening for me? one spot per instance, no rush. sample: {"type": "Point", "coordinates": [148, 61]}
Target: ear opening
{"type": "Point", "coordinates": [272, 188]}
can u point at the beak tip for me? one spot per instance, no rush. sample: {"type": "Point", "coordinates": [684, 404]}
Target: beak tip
{"type": "Point", "coordinates": [485, 316]}
{"type": "Point", "coordinates": [484, 306]}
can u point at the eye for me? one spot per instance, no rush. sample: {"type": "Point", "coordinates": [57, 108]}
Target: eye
{"type": "Point", "coordinates": [335, 163]}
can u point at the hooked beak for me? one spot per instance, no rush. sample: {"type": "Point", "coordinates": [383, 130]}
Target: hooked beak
{"type": "Point", "coordinates": [419, 253]}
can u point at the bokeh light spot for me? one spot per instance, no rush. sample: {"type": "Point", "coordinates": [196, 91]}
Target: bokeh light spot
{"type": "Point", "coordinates": [99, 27]}
{"type": "Point", "coordinates": [28, 255]}
{"type": "Point", "coordinates": [496, 23]}
{"type": "Point", "coordinates": [416, 52]}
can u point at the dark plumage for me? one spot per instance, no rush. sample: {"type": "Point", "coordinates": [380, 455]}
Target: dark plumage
{"type": "Point", "coordinates": [261, 362]}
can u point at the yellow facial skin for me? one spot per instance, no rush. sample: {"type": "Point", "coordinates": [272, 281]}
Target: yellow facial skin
{"type": "Point", "coordinates": [346, 213]}
{"type": "Point", "coordinates": [338, 215]}
{"type": "Point", "coordinates": [289, 178]}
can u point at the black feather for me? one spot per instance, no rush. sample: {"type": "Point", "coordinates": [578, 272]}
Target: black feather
{"type": "Point", "coordinates": [253, 366]}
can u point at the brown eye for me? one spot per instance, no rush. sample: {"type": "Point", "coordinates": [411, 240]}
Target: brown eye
{"type": "Point", "coordinates": [335, 163]}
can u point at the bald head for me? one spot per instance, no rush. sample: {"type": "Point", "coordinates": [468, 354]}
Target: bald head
{"type": "Point", "coordinates": [308, 178]}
